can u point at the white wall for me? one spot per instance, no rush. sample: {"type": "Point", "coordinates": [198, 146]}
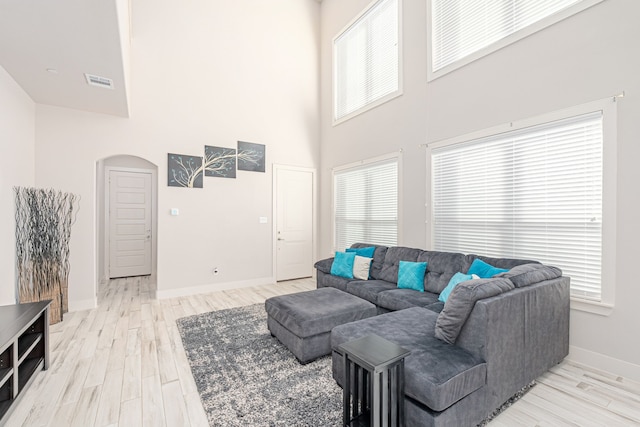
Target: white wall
{"type": "Point", "coordinates": [590, 56]}
{"type": "Point", "coordinates": [202, 73]}
{"type": "Point", "coordinates": [17, 132]}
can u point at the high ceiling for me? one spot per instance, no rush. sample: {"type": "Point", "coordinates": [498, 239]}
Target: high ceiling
{"type": "Point", "coordinates": [48, 45]}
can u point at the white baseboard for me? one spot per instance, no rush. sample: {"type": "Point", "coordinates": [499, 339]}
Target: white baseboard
{"type": "Point", "coordinates": [86, 304]}
{"type": "Point", "coordinates": [604, 363]}
{"type": "Point", "coordinates": [213, 287]}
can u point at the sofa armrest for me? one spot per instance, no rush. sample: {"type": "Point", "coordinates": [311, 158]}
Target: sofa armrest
{"type": "Point", "coordinates": [520, 334]}
{"type": "Point", "coordinates": [324, 265]}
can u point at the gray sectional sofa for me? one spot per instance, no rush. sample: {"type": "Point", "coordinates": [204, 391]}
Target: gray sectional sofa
{"type": "Point", "coordinates": [469, 355]}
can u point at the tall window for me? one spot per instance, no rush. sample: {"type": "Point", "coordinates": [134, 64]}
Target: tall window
{"type": "Point", "coordinates": [366, 203]}
{"type": "Point", "coordinates": [464, 30]}
{"type": "Point", "coordinates": [366, 60]}
{"type": "Point", "coordinates": [533, 193]}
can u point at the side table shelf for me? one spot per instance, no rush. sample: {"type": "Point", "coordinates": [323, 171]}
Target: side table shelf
{"type": "Point", "coordinates": [24, 350]}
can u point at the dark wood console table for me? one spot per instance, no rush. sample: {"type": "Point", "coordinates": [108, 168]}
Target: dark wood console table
{"type": "Point", "coordinates": [24, 350]}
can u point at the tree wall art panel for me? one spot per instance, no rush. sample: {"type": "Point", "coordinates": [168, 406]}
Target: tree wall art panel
{"type": "Point", "coordinates": [185, 170]}
{"type": "Point", "coordinates": [251, 157]}
{"type": "Point", "coordinates": [219, 161]}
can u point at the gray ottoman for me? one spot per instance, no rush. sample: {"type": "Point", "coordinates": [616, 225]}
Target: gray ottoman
{"type": "Point", "coordinates": [303, 321]}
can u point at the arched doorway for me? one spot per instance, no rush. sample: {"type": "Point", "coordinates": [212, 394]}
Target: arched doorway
{"type": "Point", "coordinates": [126, 199]}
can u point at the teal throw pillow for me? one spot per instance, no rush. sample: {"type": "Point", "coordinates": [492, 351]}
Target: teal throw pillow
{"type": "Point", "coordinates": [457, 278]}
{"type": "Point", "coordinates": [365, 252]}
{"type": "Point", "coordinates": [484, 270]}
{"type": "Point", "coordinates": [411, 275]}
{"type": "Point", "coordinates": [343, 264]}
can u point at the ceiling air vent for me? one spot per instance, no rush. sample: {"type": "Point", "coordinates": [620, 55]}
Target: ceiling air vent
{"type": "Point", "coordinates": [98, 81]}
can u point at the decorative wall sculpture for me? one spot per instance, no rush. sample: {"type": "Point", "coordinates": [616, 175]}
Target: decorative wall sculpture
{"type": "Point", "coordinates": [43, 231]}
{"type": "Point", "coordinates": [185, 170]}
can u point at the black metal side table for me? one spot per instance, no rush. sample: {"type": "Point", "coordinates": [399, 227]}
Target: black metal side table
{"type": "Point", "coordinates": [374, 378]}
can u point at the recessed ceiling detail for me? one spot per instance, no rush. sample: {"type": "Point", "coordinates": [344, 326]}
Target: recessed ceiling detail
{"type": "Point", "coordinates": [74, 37]}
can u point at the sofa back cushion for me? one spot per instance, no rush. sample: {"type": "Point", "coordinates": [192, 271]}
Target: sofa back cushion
{"type": "Point", "coordinates": [441, 266]}
{"type": "Point", "coordinates": [391, 264]}
{"type": "Point", "coordinates": [528, 274]}
{"type": "Point", "coordinates": [506, 263]}
{"type": "Point", "coordinates": [378, 258]}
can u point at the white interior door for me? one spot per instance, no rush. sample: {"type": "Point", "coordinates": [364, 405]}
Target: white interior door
{"type": "Point", "coordinates": [129, 223]}
{"type": "Point", "coordinates": [294, 223]}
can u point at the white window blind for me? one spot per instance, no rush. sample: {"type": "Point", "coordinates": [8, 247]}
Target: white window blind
{"type": "Point", "coordinates": [463, 27]}
{"type": "Point", "coordinates": [366, 204]}
{"type": "Point", "coordinates": [366, 64]}
{"type": "Point", "coordinates": [535, 193]}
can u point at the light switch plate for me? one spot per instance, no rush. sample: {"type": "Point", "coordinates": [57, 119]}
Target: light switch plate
{"type": "Point", "coordinates": [175, 211]}
{"type": "Point", "coordinates": [263, 220]}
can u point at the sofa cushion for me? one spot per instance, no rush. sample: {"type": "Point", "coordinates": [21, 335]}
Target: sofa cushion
{"type": "Point", "coordinates": [399, 299]}
{"type": "Point", "coordinates": [369, 290]}
{"type": "Point", "coordinates": [325, 280]}
{"type": "Point", "coordinates": [461, 301]}
{"type": "Point", "coordinates": [436, 374]}
{"type": "Point", "coordinates": [441, 266]}
{"type": "Point", "coordinates": [392, 260]}
{"type": "Point", "coordinates": [528, 274]}
{"type": "Point", "coordinates": [411, 275]}
{"type": "Point", "coordinates": [435, 307]}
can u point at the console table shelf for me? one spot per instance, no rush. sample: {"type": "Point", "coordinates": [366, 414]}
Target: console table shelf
{"type": "Point", "coordinates": [24, 350]}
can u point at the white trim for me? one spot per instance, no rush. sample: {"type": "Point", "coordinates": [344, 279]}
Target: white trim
{"type": "Point", "coordinates": [274, 213]}
{"type": "Point", "coordinates": [370, 106]}
{"type": "Point", "coordinates": [588, 306]}
{"type": "Point", "coordinates": [603, 362]}
{"type": "Point", "coordinates": [385, 98]}
{"type": "Point", "coordinates": [213, 287]}
{"type": "Point", "coordinates": [608, 106]}
{"type": "Point", "coordinates": [382, 158]}
{"type": "Point", "coordinates": [519, 35]}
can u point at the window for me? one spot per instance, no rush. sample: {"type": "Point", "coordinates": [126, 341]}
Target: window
{"type": "Point", "coordinates": [367, 61]}
{"type": "Point", "coordinates": [534, 192]}
{"type": "Point", "coordinates": [465, 30]}
{"type": "Point", "coordinates": [366, 202]}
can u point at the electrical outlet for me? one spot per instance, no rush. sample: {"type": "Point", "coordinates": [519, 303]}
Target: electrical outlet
{"type": "Point", "coordinates": [215, 271]}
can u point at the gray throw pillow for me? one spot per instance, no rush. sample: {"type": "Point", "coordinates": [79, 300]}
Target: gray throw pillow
{"type": "Point", "coordinates": [461, 301]}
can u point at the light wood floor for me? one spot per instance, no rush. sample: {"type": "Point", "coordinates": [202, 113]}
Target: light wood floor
{"type": "Point", "coordinates": [123, 364]}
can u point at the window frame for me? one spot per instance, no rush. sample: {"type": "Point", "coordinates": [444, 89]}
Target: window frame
{"type": "Point", "coordinates": [359, 165]}
{"type": "Point", "coordinates": [499, 44]}
{"type": "Point", "coordinates": [334, 86]}
{"type": "Point", "coordinates": [608, 106]}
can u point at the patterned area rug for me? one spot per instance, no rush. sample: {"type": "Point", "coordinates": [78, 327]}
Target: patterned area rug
{"type": "Point", "coordinates": [245, 377]}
